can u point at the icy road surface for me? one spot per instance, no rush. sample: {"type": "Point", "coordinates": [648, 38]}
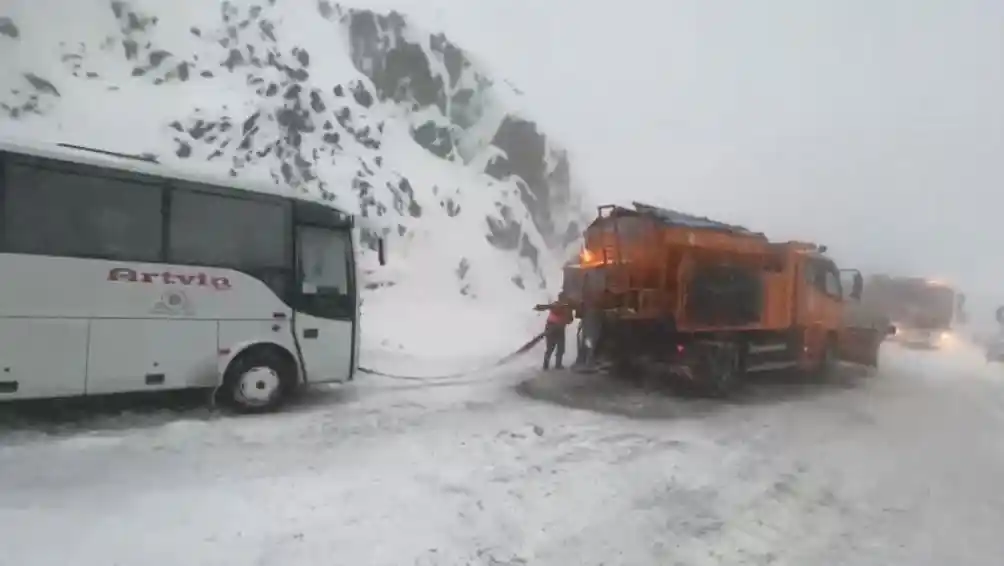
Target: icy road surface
{"type": "Point", "coordinates": [906, 467]}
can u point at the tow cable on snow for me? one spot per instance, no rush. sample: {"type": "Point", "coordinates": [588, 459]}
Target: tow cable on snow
{"type": "Point", "coordinates": [501, 361]}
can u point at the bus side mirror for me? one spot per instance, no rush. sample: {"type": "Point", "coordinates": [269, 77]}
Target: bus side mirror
{"type": "Point", "coordinates": [857, 287]}
{"type": "Point", "coordinates": [381, 253]}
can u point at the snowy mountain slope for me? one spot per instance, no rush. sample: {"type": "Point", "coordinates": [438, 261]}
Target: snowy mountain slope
{"type": "Point", "coordinates": [345, 105]}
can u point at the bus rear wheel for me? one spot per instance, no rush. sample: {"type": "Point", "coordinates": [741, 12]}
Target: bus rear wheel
{"type": "Point", "coordinates": [258, 380]}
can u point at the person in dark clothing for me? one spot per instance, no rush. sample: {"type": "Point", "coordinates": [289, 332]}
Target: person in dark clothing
{"type": "Point", "coordinates": [559, 316]}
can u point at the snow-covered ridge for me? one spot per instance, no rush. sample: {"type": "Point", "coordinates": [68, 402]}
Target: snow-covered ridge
{"type": "Point", "coordinates": [346, 105]}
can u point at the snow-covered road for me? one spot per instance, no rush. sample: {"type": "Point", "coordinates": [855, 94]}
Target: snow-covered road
{"type": "Point", "coordinates": [898, 468]}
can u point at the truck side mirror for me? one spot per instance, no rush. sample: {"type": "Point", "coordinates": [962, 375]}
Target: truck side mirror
{"type": "Point", "coordinates": [381, 253]}
{"type": "Point", "coordinates": [857, 287]}
{"type": "Point", "coordinates": [890, 330]}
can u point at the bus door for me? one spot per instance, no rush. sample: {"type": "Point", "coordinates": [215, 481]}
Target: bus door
{"type": "Point", "coordinates": [325, 302]}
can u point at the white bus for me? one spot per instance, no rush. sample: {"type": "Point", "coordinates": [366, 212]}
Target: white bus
{"type": "Point", "coordinates": [120, 275]}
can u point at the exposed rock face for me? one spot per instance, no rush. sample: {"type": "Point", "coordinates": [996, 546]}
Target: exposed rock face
{"type": "Point", "coordinates": [403, 70]}
{"type": "Point", "coordinates": [543, 186]}
{"type": "Point", "coordinates": [9, 28]}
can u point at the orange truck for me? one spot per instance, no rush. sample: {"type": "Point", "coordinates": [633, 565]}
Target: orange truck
{"type": "Point", "coordinates": [658, 290]}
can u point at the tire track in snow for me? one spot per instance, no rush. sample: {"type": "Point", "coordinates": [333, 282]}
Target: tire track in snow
{"type": "Point", "coordinates": [790, 517]}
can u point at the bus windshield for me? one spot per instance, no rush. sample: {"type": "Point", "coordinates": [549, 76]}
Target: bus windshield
{"type": "Point", "coordinates": [325, 271]}
{"type": "Point", "coordinates": [324, 260]}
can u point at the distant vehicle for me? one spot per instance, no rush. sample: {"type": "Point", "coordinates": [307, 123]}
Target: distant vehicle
{"type": "Point", "coordinates": [995, 344]}
{"type": "Point", "coordinates": [923, 310]}
{"type": "Point", "coordinates": [121, 275]}
{"type": "Point", "coordinates": [709, 302]}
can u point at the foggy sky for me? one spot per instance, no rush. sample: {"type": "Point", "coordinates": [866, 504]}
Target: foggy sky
{"type": "Point", "coordinates": [875, 127]}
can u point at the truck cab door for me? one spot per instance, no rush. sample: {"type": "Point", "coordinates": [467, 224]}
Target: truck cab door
{"type": "Point", "coordinates": [813, 307]}
{"type": "Point", "coordinates": [861, 331]}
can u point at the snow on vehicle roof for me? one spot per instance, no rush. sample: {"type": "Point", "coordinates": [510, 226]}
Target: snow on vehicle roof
{"type": "Point", "coordinates": [682, 219]}
{"type": "Point", "coordinates": [145, 164]}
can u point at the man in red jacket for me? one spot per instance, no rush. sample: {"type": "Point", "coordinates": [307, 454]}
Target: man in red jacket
{"type": "Point", "coordinates": [559, 316]}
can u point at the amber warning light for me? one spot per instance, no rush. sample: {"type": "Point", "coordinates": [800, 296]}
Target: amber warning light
{"type": "Point", "coordinates": [588, 258]}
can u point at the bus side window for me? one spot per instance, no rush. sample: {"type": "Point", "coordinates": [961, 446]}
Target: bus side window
{"type": "Point", "coordinates": [62, 210]}
{"type": "Point", "coordinates": [242, 233]}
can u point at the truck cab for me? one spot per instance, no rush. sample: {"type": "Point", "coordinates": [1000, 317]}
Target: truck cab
{"type": "Point", "coordinates": [830, 314]}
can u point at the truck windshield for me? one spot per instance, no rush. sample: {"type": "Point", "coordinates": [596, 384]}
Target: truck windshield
{"type": "Point", "coordinates": [933, 307]}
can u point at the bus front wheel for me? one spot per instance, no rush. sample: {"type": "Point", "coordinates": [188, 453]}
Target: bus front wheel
{"type": "Point", "coordinates": [259, 380]}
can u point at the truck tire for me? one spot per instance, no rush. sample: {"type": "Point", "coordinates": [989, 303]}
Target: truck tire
{"type": "Point", "coordinates": [723, 370]}
{"type": "Point", "coordinates": [828, 359]}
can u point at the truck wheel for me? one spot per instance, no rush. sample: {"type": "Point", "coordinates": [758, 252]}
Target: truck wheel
{"type": "Point", "coordinates": [724, 370]}
{"type": "Point", "coordinates": [873, 371]}
{"type": "Point", "coordinates": [624, 368]}
{"type": "Point", "coordinates": [827, 359]}
{"type": "Point", "coordinates": [258, 380]}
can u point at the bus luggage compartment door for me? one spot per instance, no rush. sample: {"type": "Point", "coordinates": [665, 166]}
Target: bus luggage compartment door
{"type": "Point", "coordinates": [150, 354]}
{"type": "Point", "coordinates": [42, 357]}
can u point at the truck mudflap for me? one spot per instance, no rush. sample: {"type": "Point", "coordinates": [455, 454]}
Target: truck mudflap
{"type": "Point", "coordinates": [860, 345]}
